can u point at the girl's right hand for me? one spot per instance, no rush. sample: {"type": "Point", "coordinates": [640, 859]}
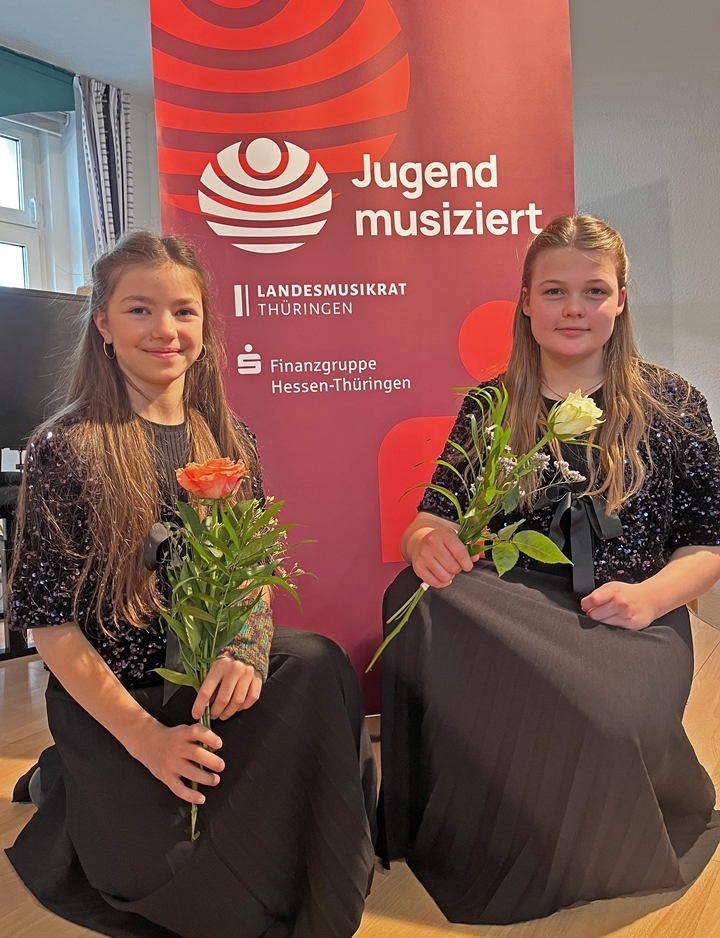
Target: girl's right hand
{"type": "Point", "coordinates": [172, 753]}
{"type": "Point", "coordinates": [437, 554]}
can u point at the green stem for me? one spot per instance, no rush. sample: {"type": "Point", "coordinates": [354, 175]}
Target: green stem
{"type": "Point", "coordinates": [205, 720]}
{"type": "Point", "coordinates": [472, 528]}
{"type": "Point", "coordinates": [536, 449]}
{"type": "Point", "coordinates": [223, 604]}
{"type": "Point", "coordinates": [404, 613]}
{"type": "Point", "coordinates": [194, 832]}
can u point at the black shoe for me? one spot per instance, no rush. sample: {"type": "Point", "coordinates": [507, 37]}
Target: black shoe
{"type": "Point", "coordinates": [27, 788]}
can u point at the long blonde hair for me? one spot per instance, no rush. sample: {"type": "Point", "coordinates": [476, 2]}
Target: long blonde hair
{"type": "Point", "coordinates": [629, 404]}
{"type": "Point", "coordinates": [109, 442]}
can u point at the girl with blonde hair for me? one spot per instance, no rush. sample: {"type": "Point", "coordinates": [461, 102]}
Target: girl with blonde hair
{"type": "Point", "coordinates": [286, 772]}
{"type": "Point", "coordinates": [533, 749]}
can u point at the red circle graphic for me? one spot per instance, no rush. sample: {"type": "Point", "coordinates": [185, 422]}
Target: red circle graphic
{"type": "Point", "coordinates": [485, 339]}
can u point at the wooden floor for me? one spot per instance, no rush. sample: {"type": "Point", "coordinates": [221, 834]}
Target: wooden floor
{"type": "Point", "coordinates": [398, 906]}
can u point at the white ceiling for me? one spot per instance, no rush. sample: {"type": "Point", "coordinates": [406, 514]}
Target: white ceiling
{"type": "Point", "coordinates": [105, 39]}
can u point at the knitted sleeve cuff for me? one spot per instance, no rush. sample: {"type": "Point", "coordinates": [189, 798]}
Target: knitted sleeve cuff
{"type": "Point", "coordinates": [252, 645]}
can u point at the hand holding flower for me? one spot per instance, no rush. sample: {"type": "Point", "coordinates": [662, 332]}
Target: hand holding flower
{"type": "Point", "coordinates": [174, 753]}
{"type": "Point", "coordinates": [435, 551]}
{"type": "Point", "coordinates": [224, 561]}
{"type": "Point", "coordinates": [230, 686]}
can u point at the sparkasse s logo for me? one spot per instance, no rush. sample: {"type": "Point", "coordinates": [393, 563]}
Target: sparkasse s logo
{"type": "Point", "coordinates": [277, 197]}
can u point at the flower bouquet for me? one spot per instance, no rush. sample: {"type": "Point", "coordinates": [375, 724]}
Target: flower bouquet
{"type": "Point", "coordinates": [493, 482]}
{"type": "Point", "coordinates": [222, 558]}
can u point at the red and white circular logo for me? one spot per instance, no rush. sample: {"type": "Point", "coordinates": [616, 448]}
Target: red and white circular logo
{"type": "Point", "coordinates": [270, 198]}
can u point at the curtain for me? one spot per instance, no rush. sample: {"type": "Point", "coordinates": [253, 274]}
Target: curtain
{"type": "Point", "coordinates": [105, 128]}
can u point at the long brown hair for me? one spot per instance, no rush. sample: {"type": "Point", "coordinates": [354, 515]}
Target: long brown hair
{"type": "Point", "coordinates": [114, 449]}
{"type": "Point", "coordinates": [629, 404]}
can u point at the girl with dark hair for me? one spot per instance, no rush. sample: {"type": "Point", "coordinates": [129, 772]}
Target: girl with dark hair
{"type": "Point", "coordinates": [533, 749]}
{"type": "Point", "coordinates": [287, 774]}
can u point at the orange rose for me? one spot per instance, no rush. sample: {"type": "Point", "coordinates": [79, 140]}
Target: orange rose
{"type": "Point", "coordinates": [214, 478]}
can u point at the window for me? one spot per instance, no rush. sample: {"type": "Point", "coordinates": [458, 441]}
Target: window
{"type": "Point", "coordinates": [13, 265]}
{"type": "Point", "coordinates": [40, 229]}
{"type": "Point", "coordinates": [10, 173]}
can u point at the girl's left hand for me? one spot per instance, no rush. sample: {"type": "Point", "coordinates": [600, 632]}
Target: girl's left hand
{"type": "Point", "coordinates": [626, 605]}
{"type": "Point", "coordinates": [234, 686]}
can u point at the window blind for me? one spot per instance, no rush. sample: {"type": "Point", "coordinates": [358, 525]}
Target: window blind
{"type": "Point", "coordinates": [28, 85]}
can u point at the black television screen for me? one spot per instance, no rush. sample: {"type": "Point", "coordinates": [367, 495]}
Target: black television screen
{"type": "Point", "coordinates": [37, 330]}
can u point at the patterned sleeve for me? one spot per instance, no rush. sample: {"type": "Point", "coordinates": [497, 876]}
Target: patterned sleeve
{"type": "Point", "coordinates": [696, 482]}
{"type": "Point", "coordinates": [435, 503]}
{"type": "Point", "coordinates": [52, 540]}
{"type": "Point", "coordinates": [253, 644]}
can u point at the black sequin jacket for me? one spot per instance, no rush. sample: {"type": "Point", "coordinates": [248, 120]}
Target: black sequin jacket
{"type": "Point", "coordinates": [677, 506]}
{"type": "Point", "coordinates": [51, 557]}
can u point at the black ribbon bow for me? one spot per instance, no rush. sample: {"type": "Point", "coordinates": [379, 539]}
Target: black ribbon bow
{"type": "Point", "coordinates": [156, 553]}
{"type": "Point", "coordinates": [588, 516]}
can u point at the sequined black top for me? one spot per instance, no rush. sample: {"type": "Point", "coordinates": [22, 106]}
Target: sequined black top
{"type": "Point", "coordinates": [53, 545]}
{"type": "Point", "coordinates": [677, 506]}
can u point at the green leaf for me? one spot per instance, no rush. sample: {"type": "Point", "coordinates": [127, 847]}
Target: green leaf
{"type": "Point", "coordinates": [209, 595]}
{"type": "Point", "coordinates": [195, 612]}
{"type": "Point", "coordinates": [490, 492]}
{"type": "Point", "coordinates": [511, 500]}
{"type": "Point", "coordinates": [462, 451]}
{"type": "Point", "coordinates": [210, 559]}
{"type": "Point", "coordinates": [176, 625]}
{"type": "Point", "coordinates": [187, 579]}
{"type": "Point", "coordinates": [190, 518]}
{"type": "Point", "coordinates": [283, 584]}
{"type": "Point", "coordinates": [263, 518]}
{"type": "Point", "coordinates": [193, 636]}
{"type": "Point", "coordinates": [186, 632]}
{"type": "Point", "coordinates": [226, 550]}
{"type": "Point", "coordinates": [539, 547]}
{"type": "Point", "coordinates": [450, 497]}
{"type": "Point", "coordinates": [262, 543]}
{"type": "Point", "coordinates": [501, 438]}
{"type": "Point", "coordinates": [449, 465]}
{"type": "Point", "coordinates": [504, 534]}
{"type": "Point", "coordinates": [479, 449]}
{"type": "Point", "coordinates": [502, 402]}
{"type": "Point", "coordinates": [177, 677]}
{"type": "Point", "coordinates": [471, 532]}
{"type": "Point", "coordinates": [230, 528]}
{"type": "Point", "coordinates": [505, 555]}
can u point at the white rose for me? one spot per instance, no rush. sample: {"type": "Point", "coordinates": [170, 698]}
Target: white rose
{"type": "Point", "coordinates": [573, 417]}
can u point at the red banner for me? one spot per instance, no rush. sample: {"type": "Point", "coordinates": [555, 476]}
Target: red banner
{"type": "Point", "coordinates": [361, 177]}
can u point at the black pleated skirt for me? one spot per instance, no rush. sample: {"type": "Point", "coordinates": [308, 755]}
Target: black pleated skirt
{"type": "Point", "coordinates": [531, 757]}
{"type": "Point", "coordinates": [285, 849]}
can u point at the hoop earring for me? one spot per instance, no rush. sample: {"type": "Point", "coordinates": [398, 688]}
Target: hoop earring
{"type": "Point", "coordinates": [105, 349]}
{"type": "Point", "coordinates": [203, 354]}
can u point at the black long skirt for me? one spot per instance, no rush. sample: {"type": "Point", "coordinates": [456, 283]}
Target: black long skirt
{"type": "Point", "coordinates": [531, 757]}
{"type": "Point", "coordinates": [285, 847]}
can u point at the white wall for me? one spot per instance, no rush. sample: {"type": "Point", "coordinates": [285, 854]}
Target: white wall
{"type": "Point", "coordinates": [145, 171]}
{"type": "Point", "coordinates": [646, 87]}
